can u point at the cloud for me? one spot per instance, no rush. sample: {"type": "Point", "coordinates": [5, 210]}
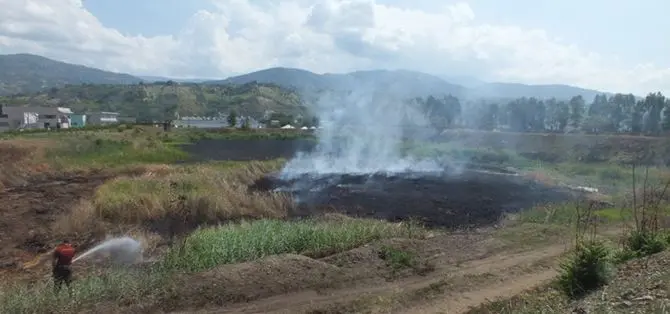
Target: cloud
{"type": "Point", "coordinates": [330, 36]}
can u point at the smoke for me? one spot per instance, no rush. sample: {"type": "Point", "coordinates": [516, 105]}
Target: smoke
{"type": "Point", "coordinates": [361, 132]}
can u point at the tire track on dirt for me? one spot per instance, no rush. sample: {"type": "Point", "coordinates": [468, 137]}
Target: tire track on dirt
{"type": "Point", "coordinates": [460, 297]}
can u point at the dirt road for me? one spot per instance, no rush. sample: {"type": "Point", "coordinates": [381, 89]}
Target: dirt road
{"type": "Point", "coordinates": [453, 287]}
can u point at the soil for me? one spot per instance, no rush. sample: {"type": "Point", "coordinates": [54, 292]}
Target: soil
{"type": "Point", "coordinates": [471, 199]}
{"type": "Point", "coordinates": [28, 213]}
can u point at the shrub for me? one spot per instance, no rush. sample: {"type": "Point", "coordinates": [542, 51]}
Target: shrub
{"type": "Point", "coordinates": [644, 243]}
{"type": "Point", "coordinates": [589, 268]}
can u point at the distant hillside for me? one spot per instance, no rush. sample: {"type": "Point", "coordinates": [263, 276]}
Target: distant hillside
{"type": "Point", "coordinates": [514, 90]}
{"type": "Point", "coordinates": [161, 101]}
{"type": "Point", "coordinates": [399, 83]}
{"type": "Point", "coordinates": [23, 73]}
{"type": "Point", "coordinates": [404, 84]}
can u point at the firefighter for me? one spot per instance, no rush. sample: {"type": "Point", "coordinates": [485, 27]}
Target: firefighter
{"type": "Point", "coordinates": [61, 265]}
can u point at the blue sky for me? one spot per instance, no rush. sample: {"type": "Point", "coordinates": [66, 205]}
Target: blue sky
{"type": "Point", "coordinates": [616, 45]}
{"type": "Point", "coordinates": [633, 30]}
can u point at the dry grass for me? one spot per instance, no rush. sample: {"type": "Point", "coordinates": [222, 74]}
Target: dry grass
{"type": "Point", "coordinates": [197, 194]}
{"type": "Point", "coordinates": [20, 159]}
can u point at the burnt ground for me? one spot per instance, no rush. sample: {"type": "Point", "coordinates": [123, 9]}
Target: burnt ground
{"type": "Point", "coordinates": [245, 150]}
{"type": "Point", "coordinates": [473, 198]}
{"type": "Point", "coordinates": [29, 213]}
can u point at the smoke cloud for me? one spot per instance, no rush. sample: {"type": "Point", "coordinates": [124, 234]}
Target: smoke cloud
{"type": "Point", "coordinates": [362, 132]}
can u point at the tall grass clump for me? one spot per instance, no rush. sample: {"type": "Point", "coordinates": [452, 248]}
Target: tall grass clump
{"type": "Point", "coordinates": [249, 240]}
{"type": "Point", "coordinates": [200, 193]}
{"type": "Point", "coordinates": [590, 266]}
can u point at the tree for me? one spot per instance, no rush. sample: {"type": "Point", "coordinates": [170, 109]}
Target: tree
{"type": "Point", "coordinates": [488, 117]}
{"type": "Point", "coordinates": [246, 123]}
{"type": "Point", "coordinates": [558, 114]}
{"type": "Point", "coordinates": [315, 121]}
{"type": "Point", "coordinates": [654, 103]}
{"type": "Point", "coordinates": [577, 109]}
{"type": "Point", "coordinates": [636, 124]}
{"type": "Point", "coordinates": [666, 116]}
{"type": "Point", "coordinates": [232, 119]}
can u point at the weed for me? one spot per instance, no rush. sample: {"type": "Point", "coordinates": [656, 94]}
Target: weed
{"type": "Point", "coordinates": [397, 259]}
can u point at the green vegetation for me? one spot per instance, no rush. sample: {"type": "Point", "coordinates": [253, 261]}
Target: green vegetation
{"type": "Point", "coordinates": [247, 241]}
{"type": "Point", "coordinates": [396, 258]}
{"type": "Point", "coordinates": [161, 101]}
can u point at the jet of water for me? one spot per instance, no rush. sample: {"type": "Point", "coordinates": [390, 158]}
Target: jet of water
{"type": "Point", "coordinates": [123, 250]}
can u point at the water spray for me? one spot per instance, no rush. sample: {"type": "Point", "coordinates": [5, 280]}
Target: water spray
{"type": "Point", "coordinates": [123, 250]}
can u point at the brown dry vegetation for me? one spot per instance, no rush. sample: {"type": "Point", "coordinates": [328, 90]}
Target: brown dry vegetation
{"type": "Point", "coordinates": [175, 199]}
{"type": "Point", "coordinates": [19, 160]}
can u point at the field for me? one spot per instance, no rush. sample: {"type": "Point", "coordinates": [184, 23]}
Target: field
{"type": "Point", "coordinates": [221, 234]}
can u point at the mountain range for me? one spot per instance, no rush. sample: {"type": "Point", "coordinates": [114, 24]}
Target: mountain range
{"type": "Point", "coordinates": [27, 73]}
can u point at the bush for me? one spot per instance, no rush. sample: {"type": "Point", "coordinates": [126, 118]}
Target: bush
{"type": "Point", "coordinates": [233, 243]}
{"type": "Point", "coordinates": [589, 268]}
{"type": "Point", "coordinates": [644, 243]}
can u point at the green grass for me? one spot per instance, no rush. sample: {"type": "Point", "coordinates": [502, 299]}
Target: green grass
{"type": "Point", "coordinates": [100, 152]}
{"type": "Point", "coordinates": [397, 259]}
{"type": "Point", "coordinates": [234, 243]}
{"type": "Point", "coordinates": [118, 286]}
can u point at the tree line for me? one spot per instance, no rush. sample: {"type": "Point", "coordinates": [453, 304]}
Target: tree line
{"type": "Point", "coordinates": [618, 113]}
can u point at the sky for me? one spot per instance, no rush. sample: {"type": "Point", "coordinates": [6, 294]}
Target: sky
{"type": "Point", "coordinates": [614, 45]}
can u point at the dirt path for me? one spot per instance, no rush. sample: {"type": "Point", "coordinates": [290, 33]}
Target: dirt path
{"type": "Point", "coordinates": [452, 289]}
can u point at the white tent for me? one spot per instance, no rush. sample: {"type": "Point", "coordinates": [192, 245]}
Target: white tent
{"type": "Point", "coordinates": [304, 128]}
{"type": "Point", "coordinates": [288, 126]}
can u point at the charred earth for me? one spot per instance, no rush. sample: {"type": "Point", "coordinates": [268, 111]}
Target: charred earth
{"type": "Point", "coordinates": [471, 198]}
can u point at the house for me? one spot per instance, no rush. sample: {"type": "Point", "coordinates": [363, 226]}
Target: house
{"type": "Point", "coordinates": [78, 120]}
{"type": "Point", "coordinates": [103, 117]}
{"type": "Point", "coordinates": [4, 122]}
{"type": "Point", "coordinates": [16, 117]}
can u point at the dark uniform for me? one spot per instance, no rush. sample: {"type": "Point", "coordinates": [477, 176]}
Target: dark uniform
{"type": "Point", "coordinates": [62, 261]}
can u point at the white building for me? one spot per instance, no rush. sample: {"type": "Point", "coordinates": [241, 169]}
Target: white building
{"type": "Point", "coordinates": [102, 118]}
{"type": "Point", "coordinates": [15, 117]}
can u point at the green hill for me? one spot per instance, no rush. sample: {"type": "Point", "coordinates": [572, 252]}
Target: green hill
{"type": "Point", "coordinates": [24, 73]}
{"type": "Point", "coordinates": [162, 100]}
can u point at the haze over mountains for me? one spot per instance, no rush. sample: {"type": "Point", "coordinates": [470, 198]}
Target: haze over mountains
{"type": "Point", "coordinates": [25, 73]}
